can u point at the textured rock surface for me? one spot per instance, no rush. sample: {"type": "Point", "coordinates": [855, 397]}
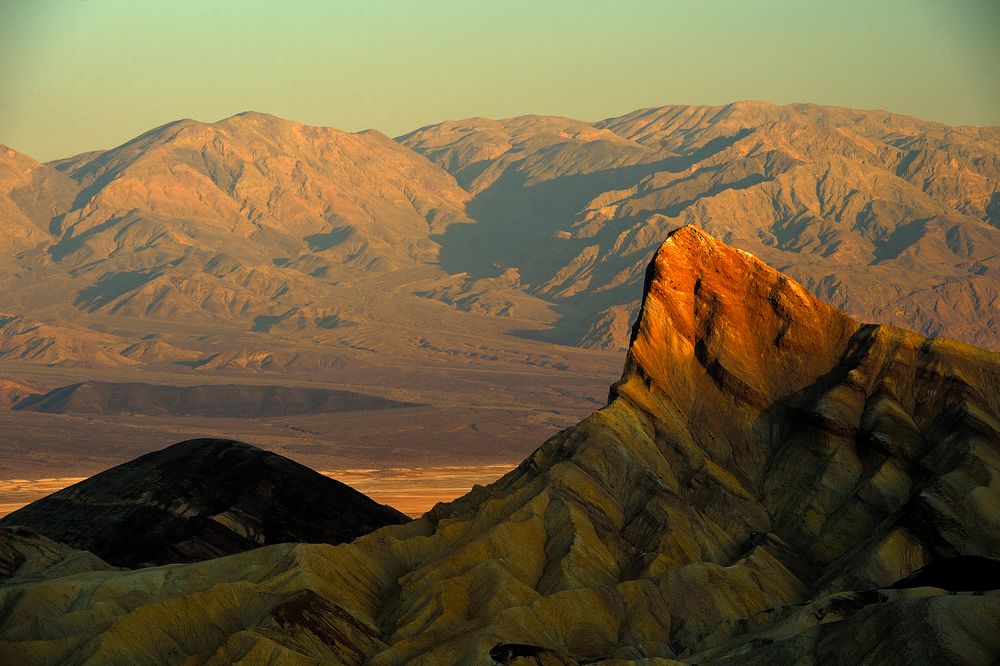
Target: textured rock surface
{"type": "Point", "coordinates": [27, 555]}
{"type": "Point", "coordinates": [201, 499]}
{"type": "Point", "coordinates": [765, 470]}
{"type": "Point", "coordinates": [31, 194]}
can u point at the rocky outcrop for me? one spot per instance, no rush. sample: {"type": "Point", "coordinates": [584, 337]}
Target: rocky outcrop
{"type": "Point", "coordinates": [27, 555]}
{"type": "Point", "coordinates": [765, 472]}
{"type": "Point", "coordinates": [200, 499]}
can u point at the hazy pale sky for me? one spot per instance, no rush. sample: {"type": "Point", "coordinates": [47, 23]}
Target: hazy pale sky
{"type": "Point", "coordinates": [80, 75]}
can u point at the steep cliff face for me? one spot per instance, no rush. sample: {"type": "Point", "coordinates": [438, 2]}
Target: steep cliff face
{"type": "Point", "coordinates": [764, 472]}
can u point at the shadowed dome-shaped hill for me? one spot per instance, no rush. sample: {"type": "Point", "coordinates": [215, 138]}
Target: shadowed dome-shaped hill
{"type": "Point", "coordinates": [201, 499]}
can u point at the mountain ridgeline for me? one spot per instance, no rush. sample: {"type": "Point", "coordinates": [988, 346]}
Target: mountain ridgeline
{"type": "Point", "coordinates": [771, 481]}
{"type": "Point", "coordinates": [275, 236]}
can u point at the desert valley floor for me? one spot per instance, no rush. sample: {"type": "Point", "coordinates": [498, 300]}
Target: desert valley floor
{"type": "Point", "coordinates": [474, 426]}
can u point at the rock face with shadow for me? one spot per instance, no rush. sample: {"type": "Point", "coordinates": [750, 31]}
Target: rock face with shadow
{"type": "Point", "coordinates": [200, 499]}
{"type": "Point", "coordinates": [764, 473]}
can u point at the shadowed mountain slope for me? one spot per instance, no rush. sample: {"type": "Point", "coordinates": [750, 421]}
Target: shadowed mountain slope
{"type": "Point", "coordinates": [31, 194]}
{"type": "Point", "coordinates": [891, 218]}
{"type": "Point", "coordinates": [201, 499]}
{"type": "Point", "coordinates": [765, 470]}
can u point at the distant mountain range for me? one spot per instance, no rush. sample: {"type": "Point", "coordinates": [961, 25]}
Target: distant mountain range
{"type": "Point", "coordinates": [198, 241]}
{"type": "Point", "coordinates": [891, 218]}
{"type": "Point", "coordinates": [771, 481]}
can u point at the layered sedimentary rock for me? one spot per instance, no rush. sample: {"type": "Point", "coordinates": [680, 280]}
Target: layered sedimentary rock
{"type": "Point", "coordinates": [28, 555]}
{"type": "Point", "coordinates": [255, 224]}
{"type": "Point", "coordinates": [764, 474]}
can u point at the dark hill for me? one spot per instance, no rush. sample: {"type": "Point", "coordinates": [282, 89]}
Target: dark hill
{"type": "Point", "coordinates": [200, 499]}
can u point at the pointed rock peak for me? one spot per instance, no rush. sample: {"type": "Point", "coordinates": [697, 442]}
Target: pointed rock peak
{"type": "Point", "coordinates": [709, 308]}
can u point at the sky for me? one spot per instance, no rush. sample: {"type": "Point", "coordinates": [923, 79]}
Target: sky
{"type": "Point", "coordinates": [79, 75]}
